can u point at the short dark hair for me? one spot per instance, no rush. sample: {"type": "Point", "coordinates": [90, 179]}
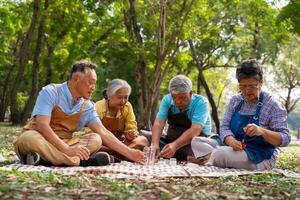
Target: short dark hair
{"type": "Point", "coordinates": [81, 66]}
{"type": "Point", "coordinates": [249, 69]}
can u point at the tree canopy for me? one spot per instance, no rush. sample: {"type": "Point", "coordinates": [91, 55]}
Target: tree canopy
{"type": "Point", "coordinates": [145, 43]}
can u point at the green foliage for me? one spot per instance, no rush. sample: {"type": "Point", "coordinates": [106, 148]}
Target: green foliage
{"type": "Point", "coordinates": [289, 16]}
{"type": "Point", "coordinates": [21, 99]}
{"type": "Point", "coordinates": [289, 159]}
{"type": "Point", "coordinates": [224, 32]}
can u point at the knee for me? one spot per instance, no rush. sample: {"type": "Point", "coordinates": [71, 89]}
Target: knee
{"type": "Point", "coordinates": [30, 138]}
{"type": "Point", "coordinates": [96, 139]}
{"type": "Point", "coordinates": [144, 141]}
{"type": "Point", "coordinates": [195, 141]}
{"type": "Point", "coordinates": [200, 147]}
{"type": "Point", "coordinates": [141, 141]}
{"type": "Point", "coordinates": [147, 135]}
{"type": "Point", "coordinates": [220, 157]}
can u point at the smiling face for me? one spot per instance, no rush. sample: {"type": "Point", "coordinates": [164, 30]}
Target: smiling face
{"type": "Point", "coordinates": [86, 83]}
{"type": "Point", "coordinates": [181, 100]}
{"type": "Point", "coordinates": [119, 99]}
{"type": "Point", "coordinates": [250, 88]}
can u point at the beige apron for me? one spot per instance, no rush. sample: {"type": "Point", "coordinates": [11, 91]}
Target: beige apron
{"type": "Point", "coordinates": [64, 125]}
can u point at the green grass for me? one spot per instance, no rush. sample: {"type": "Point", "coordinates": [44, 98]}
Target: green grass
{"type": "Point", "coordinates": [48, 185]}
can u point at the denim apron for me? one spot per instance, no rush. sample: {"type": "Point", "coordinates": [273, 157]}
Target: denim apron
{"type": "Point", "coordinates": [257, 148]}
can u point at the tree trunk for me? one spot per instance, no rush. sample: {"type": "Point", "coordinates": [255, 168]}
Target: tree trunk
{"type": "Point", "coordinates": [163, 50]}
{"type": "Point", "coordinates": [214, 110]}
{"type": "Point", "coordinates": [23, 59]}
{"type": "Point", "coordinates": [4, 101]}
{"type": "Point", "coordinates": [50, 50]}
{"type": "Point", "coordinates": [203, 82]}
{"type": "Point", "coordinates": [35, 68]}
{"type": "Point", "coordinates": [140, 66]}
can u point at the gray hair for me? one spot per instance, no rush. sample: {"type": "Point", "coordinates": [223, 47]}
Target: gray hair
{"type": "Point", "coordinates": [115, 85]}
{"type": "Point", "coordinates": [81, 66]}
{"type": "Point", "coordinates": [180, 83]}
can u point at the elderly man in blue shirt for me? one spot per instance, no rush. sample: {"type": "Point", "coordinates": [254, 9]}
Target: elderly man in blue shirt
{"type": "Point", "coordinates": [61, 110]}
{"type": "Point", "coordinates": [187, 115]}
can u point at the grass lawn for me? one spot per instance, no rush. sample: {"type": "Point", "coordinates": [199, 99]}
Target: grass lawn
{"type": "Point", "coordinates": [41, 185]}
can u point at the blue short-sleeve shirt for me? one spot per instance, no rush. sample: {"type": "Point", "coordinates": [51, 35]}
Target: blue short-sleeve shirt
{"type": "Point", "coordinates": [49, 97]}
{"type": "Point", "coordinates": [198, 111]}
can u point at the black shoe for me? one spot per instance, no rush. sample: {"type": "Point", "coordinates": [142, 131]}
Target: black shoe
{"type": "Point", "coordinates": [98, 159]}
{"type": "Point", "coordinates": [32, 158]}
{"type": "Point", "coordinates": [112, 159]}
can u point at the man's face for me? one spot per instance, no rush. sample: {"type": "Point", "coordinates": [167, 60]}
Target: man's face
{"type": "Point", "coordinates": [86, 83]}
{"type": "Point", "coordinates": [181, 100]}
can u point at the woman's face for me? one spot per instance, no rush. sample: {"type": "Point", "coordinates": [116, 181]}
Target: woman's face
{"type": "Point", "coordinates": [119, 99]}
{"type": "Point", "coordinates": [250, 88]}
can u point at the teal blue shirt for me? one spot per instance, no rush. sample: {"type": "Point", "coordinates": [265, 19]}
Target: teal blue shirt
{"type": "Point", "coordinates": [197, 111]}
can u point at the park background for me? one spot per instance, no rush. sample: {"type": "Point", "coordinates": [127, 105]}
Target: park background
{"type": "Point", "coordinates": [147, 42]}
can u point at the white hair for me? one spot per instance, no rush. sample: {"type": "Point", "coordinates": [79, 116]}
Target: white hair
{"type": "Point", "coordinates": [115, 85]}
{"type": "Point", "coordinates": [180, 83]}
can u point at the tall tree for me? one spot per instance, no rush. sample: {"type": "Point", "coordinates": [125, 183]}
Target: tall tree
{"type": "Point", "coordinates": [24, 55]}
{"type": "Point", "coordinates": [168, 40]}
{"type": "Point", "coordinates": [10, 35]}
{"type": "Point", "coordinates": [212, 33]}
{"type": "Point", "coordinates": [35, 68]}
{"type": "Point", "coordinates": [286, 77]}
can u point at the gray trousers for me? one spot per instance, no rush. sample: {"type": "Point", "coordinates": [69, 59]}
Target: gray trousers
{"type": "Point", "coordinates": [226, 157]}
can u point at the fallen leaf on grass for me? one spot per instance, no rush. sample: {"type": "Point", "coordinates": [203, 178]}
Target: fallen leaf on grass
{"type": "Point", "coordinates": [163, 190]}
{"type": "Point", "coordinates": [243, 197]}
{"type": "Point", "coordinates": [177, 198]}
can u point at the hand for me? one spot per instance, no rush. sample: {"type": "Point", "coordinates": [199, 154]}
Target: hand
{"type": "Point", "coordinates": [155, 148]}
{"type": "Point", "coordinates": [253, 129]}
{"type": "Point", "coordinates": [137, 156]}
{"type": "Point", "coordinates": [235, 144]}
{"type": "Point", "coordinates": [168, 151]}
{"type": "Point", "coordinates": [130, 134]}
{"type": "Point", "coordinates": [81, 151]}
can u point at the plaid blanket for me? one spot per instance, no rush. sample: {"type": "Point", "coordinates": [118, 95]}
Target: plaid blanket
{"type": "Point", "coordinates": [135, 171]}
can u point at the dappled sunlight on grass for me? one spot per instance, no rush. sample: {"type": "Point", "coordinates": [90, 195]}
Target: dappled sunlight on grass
{"type": "Point", "coordinates": [48, 185]}
{"type": "Point", "coordinates": [289, 158]}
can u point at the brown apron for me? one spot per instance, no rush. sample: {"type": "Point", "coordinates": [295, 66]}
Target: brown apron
{"type": "Point", "coordinates": [64, 125]}
{"type": "Point", "coordinates": [116, 125]}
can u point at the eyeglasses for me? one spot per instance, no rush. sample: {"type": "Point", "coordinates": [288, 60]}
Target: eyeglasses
{"type": "Point", "coordinates": [250, 86]}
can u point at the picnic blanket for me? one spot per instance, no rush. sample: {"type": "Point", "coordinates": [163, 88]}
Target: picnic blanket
{"type": "Point", "coordinates": [135, 171]}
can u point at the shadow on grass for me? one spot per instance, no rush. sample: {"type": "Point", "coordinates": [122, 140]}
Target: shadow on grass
{"type": "Point", "coordinates": [48, 185]}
